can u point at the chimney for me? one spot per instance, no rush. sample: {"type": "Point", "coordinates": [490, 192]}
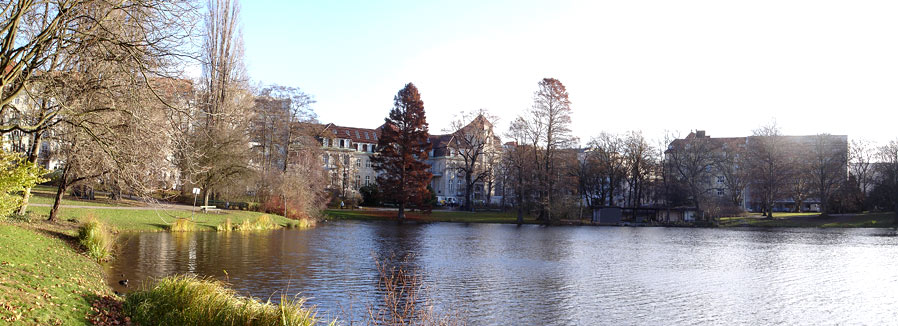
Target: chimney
{"type": "Point", "coordinates": [699, 134]}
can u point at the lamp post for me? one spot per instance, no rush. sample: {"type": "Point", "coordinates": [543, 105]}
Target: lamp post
{"type": "Point", "coordinates": [196, 192]}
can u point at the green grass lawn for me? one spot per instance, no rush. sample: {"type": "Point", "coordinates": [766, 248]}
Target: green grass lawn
{"type": "Point", "coordinates": [44, 280]}
{"type": "Point", "coordinates": [47, 194]}
{"type": "Point", "coordinates": [153, 220]}
{"type": "Point", "coordinates": [435, 216]}
{"type": "Point", "coordinates": [866, 220]}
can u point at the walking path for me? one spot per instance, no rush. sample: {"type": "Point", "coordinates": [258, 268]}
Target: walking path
{"type": "Point", "coordinates": [138, 208]}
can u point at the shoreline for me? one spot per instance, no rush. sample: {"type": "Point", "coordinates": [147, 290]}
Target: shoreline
{"type": "Point", "coordinates": [783, 220]}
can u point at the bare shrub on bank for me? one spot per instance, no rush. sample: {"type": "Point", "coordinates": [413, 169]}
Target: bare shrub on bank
{"type": "Point", "coordinates": [402, 301]}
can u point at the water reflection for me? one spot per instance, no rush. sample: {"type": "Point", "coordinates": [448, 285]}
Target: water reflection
{"type": "Point", "coordinates": [503, 274]}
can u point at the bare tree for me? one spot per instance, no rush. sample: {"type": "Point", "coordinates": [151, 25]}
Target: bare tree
{"type": "Point", "coordinates": [769, 166]}
{"type": "Point", "coordinates": [691, 161]}
{"type": "Point", "coordinates": [216, 147]}
{"type": "Point", "coordinates": [639, 160]}
{"type": "Point", "coordinates": [827, 164]}
{"type": "Point", "coordinates": [887, 175]}
{"type": "Point", "coordinates": [732, 164]}
{"type": "Point", "coordinates": [608, 152]}
{"type": "Point", "coordinates": [45, 43]}
{"type": "Point", "coordinates": [518, 157]}
{"type": "Point", "coordinates": [861, 154]}
{"type": "Point", "coordinates": [549, 122]}
{"type": "Point", "coordinates": [475, 143]}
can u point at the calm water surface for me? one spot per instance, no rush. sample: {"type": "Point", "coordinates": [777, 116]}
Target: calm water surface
{"type": "Point", "coordinates": [532, 275]}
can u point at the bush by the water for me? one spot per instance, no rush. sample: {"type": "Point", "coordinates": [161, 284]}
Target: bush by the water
{"type": "Point", "coordinates": [96, 239]}
{"type": "Point", "coordinates": [263, 222]}
{"type": "Point", "coordinates": [187, 300]}
{"type": "Point", "coordinates": [225, 226]}
{"type": "Point", "coordinates": [182, 225]}
{"type": "Point", "coordinates": [303, 223]}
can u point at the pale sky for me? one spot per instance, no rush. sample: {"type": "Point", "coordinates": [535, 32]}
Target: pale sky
{"type": "Point", "coordinates": [723, 66]}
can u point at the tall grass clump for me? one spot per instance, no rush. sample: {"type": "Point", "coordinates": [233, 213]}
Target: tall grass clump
{"type": "Point", "coordinates": [187, 300]}
{"type": "Point", "coordinates": [302, 223]}
{"type": "Point", "coordinates": [96, 238]}
{"type": "Point", "coordinates": [182, 225]}
{"type": "Point", "coordinates": [263, 222]}
{"type": "Point", "coordinates": [225, 226]}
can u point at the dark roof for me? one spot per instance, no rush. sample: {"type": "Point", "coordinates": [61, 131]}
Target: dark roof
{"type": "Point", "coordinates": [357, 135]}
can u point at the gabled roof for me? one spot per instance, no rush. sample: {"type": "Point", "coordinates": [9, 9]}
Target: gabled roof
{"type": "Point", "coordinates": [356, 135]}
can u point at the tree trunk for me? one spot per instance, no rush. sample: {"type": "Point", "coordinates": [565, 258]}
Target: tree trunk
{"type": "Point", "coordinates": [520, 194]}
{"type": "Point", "coordinates": [206, 198]}
{"type": "Point", "coordinates": [60, 191]}
{"type": "Point", "coordinates": [469, 189]}
{"type": "Point", "coordinates": [32, 158]}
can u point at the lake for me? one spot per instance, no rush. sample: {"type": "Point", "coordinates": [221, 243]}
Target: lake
{"type": "Point", "coordinates": [534, 275]}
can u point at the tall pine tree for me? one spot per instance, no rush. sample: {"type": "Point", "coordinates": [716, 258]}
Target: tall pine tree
{"type": "Point", "coordinates": [402, 148]}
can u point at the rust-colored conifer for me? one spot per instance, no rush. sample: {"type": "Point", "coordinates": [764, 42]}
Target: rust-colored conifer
{"type": "Point", "coordinates": [402, 148]}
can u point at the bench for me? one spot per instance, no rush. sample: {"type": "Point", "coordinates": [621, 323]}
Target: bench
{"type": "Point", "coordinates": [206, 209]}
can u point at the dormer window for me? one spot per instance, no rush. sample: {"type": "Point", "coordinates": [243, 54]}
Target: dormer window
{"type": "Point", "coordinates": [366, 135]}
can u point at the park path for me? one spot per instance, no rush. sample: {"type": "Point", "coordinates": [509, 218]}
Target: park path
{"type": "Point", "coordinates": [136, 208]}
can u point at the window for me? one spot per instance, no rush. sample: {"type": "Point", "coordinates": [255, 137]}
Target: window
{"type": "Point", "coordinates": [357, 134]}
{"type": "Point", "coordinates": [324, 142]}
{"type": "Point", "coordinates": [358, 163]}
{"type": "Point", "coordinates": [368, 163]}
{"type": "Point", "coordinates": [367, 180]}
{"type": "Point", "coordinates": [366, 135]}
{"type": "Point", "coordinates": [358, 181]}
{"type": "Point", "coordinates": [326, 159]}
{"type": "Point", "coordinates": [720, 179]}
{"type": "Point", "coordinates": [346, 159]}
{"type": "Point", "coordinates": [719, 192]}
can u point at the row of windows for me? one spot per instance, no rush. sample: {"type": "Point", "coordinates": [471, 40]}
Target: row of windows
{"type": "Point", "coordinates": [346, 143]}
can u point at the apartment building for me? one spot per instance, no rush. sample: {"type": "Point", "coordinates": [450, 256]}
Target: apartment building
{"type": "Point", "coordinates": [348, 151]}
{"type": "Point", "coordinates": [730, 156]}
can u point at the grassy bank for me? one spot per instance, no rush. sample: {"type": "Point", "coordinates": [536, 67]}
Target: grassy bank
{"type": "Point", "coordinates": [187, 300]}
{"type": "Point", "coordinates": [435, 216]}
{"type": "Point", "coordinates": [156, 220]}
{"type": "Point", "coordinates": [863, 220]}
{"type": "Point", "coordinates": [44, 277]}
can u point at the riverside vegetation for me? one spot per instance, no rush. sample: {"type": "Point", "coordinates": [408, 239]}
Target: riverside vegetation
{"type": "Point", "coordinates": [50, 272]}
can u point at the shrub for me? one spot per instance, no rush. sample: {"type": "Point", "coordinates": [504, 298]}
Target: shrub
{"type": "Point", "coordinates": [226, 226]}
{"type": "Point", "coordinates": [187, 300]}
{"type": "Point", "coordinates": [96, 239]}
{"type": "Point", "coordinates": [182, 225]}
{"type": "Point", "coordinates": [263, 222]}
{"type": "Point", "coordinates": [16, 175]}
{"type": "Point", "coordinates": [302, 223]}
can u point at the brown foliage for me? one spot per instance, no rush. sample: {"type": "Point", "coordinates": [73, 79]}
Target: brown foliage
{"type": "Point", "coordinates": [401, 151]}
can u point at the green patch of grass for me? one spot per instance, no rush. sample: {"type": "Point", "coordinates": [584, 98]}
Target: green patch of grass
{"type": "Point", "coordinates": [96, 239]}
{"type": "Point", "coordinates": [48, 200]}
{"type": "Point", "coordinates": [154, 220]}
{"type": "Point", "coordinates": [187, 300]}
{"type": "Point", "coordinates": [44, 280]}
{"type": "Point", "coordinates": [435, 216]}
